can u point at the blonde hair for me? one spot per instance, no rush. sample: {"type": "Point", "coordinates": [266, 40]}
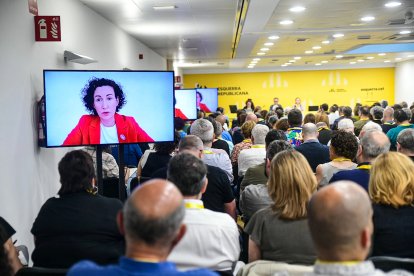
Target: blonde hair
{"type": "Point", "coordinates": [392, 180]}
{"type": "Point", "coordinates": [247, 128]}
{"type": "Point", "coordinates": [291, 184]}
{"type": "Point", "coordinates": [322, 117]}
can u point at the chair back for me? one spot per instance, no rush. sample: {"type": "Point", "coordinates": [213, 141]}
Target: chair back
{"type": "Point", "coordinates": [39, 271]}
{"type": "Point", "coordinates": [387, 263]}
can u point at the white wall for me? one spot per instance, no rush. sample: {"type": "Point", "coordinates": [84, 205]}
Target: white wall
{"type": "Point", "coordinates": [29, 174]}
{"type": "Point", "coordinates": [404, 82]}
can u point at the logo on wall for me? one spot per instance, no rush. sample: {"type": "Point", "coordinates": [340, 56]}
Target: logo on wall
{"type": "Point", "coordinates": [47, 28]}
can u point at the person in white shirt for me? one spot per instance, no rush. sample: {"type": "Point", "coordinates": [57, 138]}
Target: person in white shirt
{"type": "Point", "coordinates": [212, 238]}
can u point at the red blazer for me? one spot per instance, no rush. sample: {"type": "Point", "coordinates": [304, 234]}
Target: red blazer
{"type": "Point", "coordinates": [204, 107]}
{"type": "Point", "coordinates": [88, 131]}
{"type": "Point", "coordinates": [180, 114]}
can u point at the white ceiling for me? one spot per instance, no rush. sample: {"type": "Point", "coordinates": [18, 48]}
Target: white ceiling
{"type": "Point", "coordinates": [228, 34]}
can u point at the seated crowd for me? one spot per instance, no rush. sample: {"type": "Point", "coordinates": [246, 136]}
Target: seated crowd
{"type": "Point", "coordinates": [323, 192]}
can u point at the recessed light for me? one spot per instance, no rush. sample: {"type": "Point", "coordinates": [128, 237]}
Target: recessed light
{"type": "Point", "coordinates": [316, 47]}
{"type": "Point", "coordinates": [256, 59]}
{"type": "Point", "coordinates": [292, 60]}
{"type": "Point", "coordinates": [297, 9]}
{"type": "Point", "coordinates": [324, 61]}
{"type": "Point", "coordinates": [273, 37]}
{"type": "Point", "coordinates": [269, 44]}
{"type": "Point", "coordinates": [288, 63]}
{"type": "Point", "coordinates": [308, 52]}
{"type": "Point", "coordinates": [382, 54]}
{"type": "Point", "coordinates": [387, 61]}
{"type": "Point", "coordinates": [397, 59]}
{"type": "Point", "coordinates": [392, 4]}
{"type": "Point", "coordinates": [318, 64]}
{"type": "Point", "coordinates": [250, 67]}
{"type": "Point", "coordinates": [405, 32]}
{"type": "Point", "coordinates": [352, 62]}
{"type": "Point", "coordinates": [367, 18]}
{"type": "Point", "coordinates": [284, 65]}
{"type": "Point", "coordinates": [285, 22]}
{"type": "Point", "coordinates": [261, 54]}
{"type": "Point", "coordinates": [370, 57]}
{"type": "Point", "coordinates": [360, 60]}
{"type": "Point", "coordinates": [171, 7]}
{"type": "Point", "coordinates": [326, 42]}
{"type": "Point", "coordinates": [264, 49]}
{"type": "Point", "coordinates": [338, 35]}
{"type": "Point", "coordinates": [339, 56]}
{"type": "Point", "coordinates": [297, 58]}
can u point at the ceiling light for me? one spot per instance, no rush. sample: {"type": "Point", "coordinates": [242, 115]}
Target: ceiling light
{"type": "Point", "coordinates": [284, 65]}
{"type": "Point", "coordinates": [250, 67]}
{"type": "Point", "coordinates": [253, 62]}
{"type": "Point", "coordinates": [405, 32]}
{"type": "Point", "coordinates": [158, 8]}
{"type": "Point", "coordinates": [324, 61]}
{"type": "Point", "coordinates": [268, 44]}
{"type": "Point", "coordinates": [308, 52]}
{"type": "Point", "coordinates": [370, 57]}
{"type": "Point", "coordinates": [316, 47]}
{"type": "Point", "coordinates": [387, 61]}
{"type": "Point", "coordinates": [285, 22]}
{"type": "Point", "coordinates": [261, 54]}
{"type": "Point", "coordinates": [382, 54]}
{"type": "Point", "coordinates": [273, 37]}
{"type": "Point", "coordinates": [326, 42]}
{"type": "Point", "coordinates": [288, 63]}
{"type": "Point", "coordinates": [256, 59]}
{"type": "Point", "coordinates": [352, 62]}
{"type": "Point", "coordinates": [339, 56]}
{"type": "Point", "coordinates": [397, 59]}
{"type": "Point", "coordinates": [264, 49]}
{"type": "Point", "coordinates": [338, 35]}
{"type": "Point", "coordinates": [367, 18]}
{"type": "Point", "coordinates": [292, 60]}
{"type": "Point", "coordinates": [297, 58]}
{"type": "Point", "coordinates": [297, 9]}
{"type": "Point", "coordinates": [410, 56]}
{"type": "Point", "coordinates": [360, 60]}
{"type": "Point", "coordinates": [318, 64]}
{"type": "Point", "coordinates": [392, 4]}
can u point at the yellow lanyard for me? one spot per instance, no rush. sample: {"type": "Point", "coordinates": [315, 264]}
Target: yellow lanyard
{"type": "Point", "coordinates": [342, 263]}
{"type": "Point", "coordinates": [341, 159]}
{"type": "Point", "coordinates": [319, 129]}
{"type": "Point", "coordinates": [247, 140]}
{"type": "Point", "coordinates": [193, 205]}
{"type": "Point", "coordinates": [364, 167]}
{"type": "Point", "coordinates": [208, 152]}
{"type": "Point", "coordinates": [404, 125]}
{"type": "Point", "coordinates": [258, 146]}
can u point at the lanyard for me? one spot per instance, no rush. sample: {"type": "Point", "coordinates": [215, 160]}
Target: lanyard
{"type": "Point", "coordinates": [364, 167]}
{"type": "Point", "coordinates": [193, 205]}
{"type": "Point", "coordinates": [341, 159]}
{"type": "Point", "coordinates": [208, 152]}
{"type": "Point", "coordinates": [258, 146]}
{"type": "Point", "coordinates": [342, 263]}
{"type": "Point", "coordinates": [247, 140]}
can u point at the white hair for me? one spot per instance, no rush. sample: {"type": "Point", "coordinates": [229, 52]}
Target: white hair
{"type": "Point", "coordinates": [259, 133]}
{"type": "Point", "coordinates": [346, 124]}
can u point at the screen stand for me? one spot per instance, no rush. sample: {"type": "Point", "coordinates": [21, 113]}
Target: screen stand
{"type": "Point", "coordinates": [121, 186]}
{"type": "Point", "coordinates": [99, 169]}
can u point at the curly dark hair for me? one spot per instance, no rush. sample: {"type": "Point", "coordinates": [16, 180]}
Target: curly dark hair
{"type": "Point", "coordinates": [345, 144]}
{"type": "Point", "coordinates": [200, 95]}
{"type": "Point", "coordinates": [5, 267]}
{"type": "Point", "coordinates": [168, 147]}
{"type": "Point", "coordinates": [89, 90]}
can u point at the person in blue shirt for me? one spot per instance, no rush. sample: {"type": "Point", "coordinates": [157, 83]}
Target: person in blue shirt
{"type": "Point", "coordinates": [152, 222]}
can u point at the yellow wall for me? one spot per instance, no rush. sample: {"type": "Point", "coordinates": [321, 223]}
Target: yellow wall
{"type": "Point", "coordinates": [343, 87]}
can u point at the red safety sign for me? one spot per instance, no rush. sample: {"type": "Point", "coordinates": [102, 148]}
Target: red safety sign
{"type": "Point", "coordinates": [47, 28]}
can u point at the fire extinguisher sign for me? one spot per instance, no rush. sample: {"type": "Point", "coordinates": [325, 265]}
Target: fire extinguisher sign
{"type": "Point", "coordinates": [47, 28]}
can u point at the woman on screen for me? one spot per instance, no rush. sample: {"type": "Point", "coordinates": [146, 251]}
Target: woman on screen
{"type": "Point", "coordinates": [201, 106]}
{"type": "Point", "coordinates": [103, 98]}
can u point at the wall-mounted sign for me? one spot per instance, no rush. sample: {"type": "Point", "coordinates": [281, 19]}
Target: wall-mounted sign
{"type": "Point", "coordinates": [33, 7]}
{"type": "Point", "coordinates": [47, 28]}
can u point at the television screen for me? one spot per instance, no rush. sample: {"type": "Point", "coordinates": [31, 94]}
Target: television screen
{"type": "Point", "coordinates": [207, 99]}
{"type": "Point", "coordinates": [108, 107]}
{"type": "Point", "coordinates": [185, 106]}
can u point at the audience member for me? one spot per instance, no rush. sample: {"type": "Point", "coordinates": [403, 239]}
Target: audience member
{"type": "Point", "coordinates": [152, 224]}
{"type": "Point", "coordinates": [275, 104]}
{"type": "Point", "coordinates": [309, 118]}
{"type": "Point", "coordinates": [405, 142]}
{"type": "Point", "coordinates": [356, 112]}
{"type": "Point", "coordinates": [225, 134]}
{"type": "Point", "coordinates": [370, 126]}
{"type": "Point", "coordinates": [218, 142]}
{"type": "Point", "coordinates": [109, 166]}
{"type": "Point", "coordinates": [280, 232]}
{"type": "Point", "coordinates": [342, 151]}
{"type": "Point", "coordinates": [9, 260]}
{"type": "Point", "coordinates": [212, 238]}
{"type": "Point", "coordinates": [391, 188]}
{"type": "Point", "coordinates": [341, 227]}
{"type": "Point", "coordinates": [203, 129]}
{"type": "Point", "coordinates": [402, 118]}
{"type": "Point", "coordinates": [345, 112]}
{"type": "Point", "coordinates": [283, 125]}
{"type": "Point", "coordinates": [388, 119]}
{"type": "Point", "coordinates": [333, 114]}
{"type": "Point", "coordinates": [325, 133]}
{"type": "Point", "coordinates": [179, 125]}
{"type": "Point", "coordinates": [257, 153]}
{"type": "Point", "coordinates": [132, 154]}
{"type": "Point", "coordinates": [314, 152]}
{"type": "Point", "coordinates": [323, 109]}
{"type": "Point", "coordinates": [256, 197]}
{"type": "Point", "coordinates": [237, 134]}
{"type": "Point", "coordinates": [79, 224]}
{"type": "Point", "coordinates": [363, 114]}
{"type": "Point", "coordinates": [377, 113]}
{"type": "Point", "coordinates": [346, 125]}
{"type": "Point", "coordinates": [257, 174]}
{"type": "Point", "coordinates": [294, 133]}
{"type": "Point", "coordinates": [246, 128]}
{"type": "Point", "coordinates": [373, 143]}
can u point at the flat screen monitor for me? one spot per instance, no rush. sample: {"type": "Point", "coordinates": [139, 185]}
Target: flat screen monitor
{"type": "Point", "coordinates": [185, 104]}
{"type": "Point", "coordinates": [233, 108]}
{"type": "Point", "coordinates": [207, 99]}
{"type": "Point", "coordinates": [313, 108]}
{"type": "Point", "coordinates": [108, 107]}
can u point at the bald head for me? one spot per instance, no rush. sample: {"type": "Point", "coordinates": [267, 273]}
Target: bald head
{"type": "Point", "coordinates": [339, 217]}
{"type": "Point", "coordinates": [251, 117]}
{"type": "Point", "coordinates": [153, 213]}
{"type": "Point", "coordinates": [309, 131]}
{"type": "Point", "coordinates": [221, 119]}
{"type": "Point", "coordinates": [190, 143]}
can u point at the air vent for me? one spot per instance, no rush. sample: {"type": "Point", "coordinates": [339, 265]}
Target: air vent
{"type": "Point", "coordinates": [364, 37]}
{"type": "Point", "coordinates": [302, 39]}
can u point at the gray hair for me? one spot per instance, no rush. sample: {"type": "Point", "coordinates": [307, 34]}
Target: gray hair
{"type": "Point", "coordinates": [408, 112]}
{"type": "Point", "coordinates": [218, 130]}
{"type": "Point", "coordinates": [370, 126]}
{"type": "Point", "coordinates": [190, 142]}
{"type": "Point", "coordinates": [374, 143]}
{"type": "Point", "coordinates": [346, 124]}
{"type": "Point", "coordinates": [203, 129]}
{"type": "Point", "coordinates": [277, 146]}
{"type": "Point", "coordinates": [152, 230]}
{"type": "Point", "coordinates": [389, 111]}
{"type": "Point", "coordinates": [406, 139]}
{"type": "Point", "coordinates": [377, 112]}
{"type": "Point", "coordinates": [259, 133]}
